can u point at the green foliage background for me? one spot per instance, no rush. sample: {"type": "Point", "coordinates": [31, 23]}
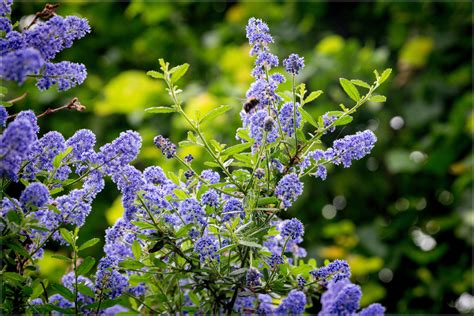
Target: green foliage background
{"type": "Point", "coordinates": [384, 213]}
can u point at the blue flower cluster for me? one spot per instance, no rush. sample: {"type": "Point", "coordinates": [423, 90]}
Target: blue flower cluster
{"type": "Point", "coordinates": [292, 229]}
{"type": "Point", "coordinates": [293, 64]}
{"type": "Point", "coordinates": [30, 52]}
{"type": "Point", "coordinates": [336, 271]}
{"type": "Point", "coordinates": [343, 298]}
{"type": "Point", "coordinates": [288, 189]}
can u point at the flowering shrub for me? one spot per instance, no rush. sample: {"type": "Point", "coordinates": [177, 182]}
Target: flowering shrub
{"type": "Point", "coordinates": [193, 242]}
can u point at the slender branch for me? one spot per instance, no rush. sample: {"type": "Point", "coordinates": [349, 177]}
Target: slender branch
{"type": "Point", "coordinates": [48, 12]}
{"type": "Point", "coordinates": [74, 104]}
{"type": "Point", "coordinates": [21, 97]}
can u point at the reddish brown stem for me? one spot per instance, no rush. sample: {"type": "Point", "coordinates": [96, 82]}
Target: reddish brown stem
{"type": "Point", "coordinates": [74, 104]}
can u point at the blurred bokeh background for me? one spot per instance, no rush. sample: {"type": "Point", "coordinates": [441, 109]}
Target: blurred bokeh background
{"type": "Point", "coordinates": [403, 217]}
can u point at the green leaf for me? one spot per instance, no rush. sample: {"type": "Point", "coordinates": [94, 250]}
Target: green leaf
{"type": "Point", "coordinates": [89, 243]}
{"type": "Point", "coordinates": [385, 74]}
{"type": "Point", "coordinates": [194, 298]}
{"type": "Point", "coordinates": [248, 243]}
{"type": "Point", "coordinates": [155, 74]}
{"type": "Point", "coordinates": [56, 190]}
{"type": "Point", "coordinates": [83, 289]}
{"type": "Point", "coordinates": [37, 289]}
{"type": "Point", "coordinates": [6, 104]}
{"type": "Point", "coordinates": [360, 83]}
{"type": "Point", "coordinates": [238, 271]}
{"type": "Point", "coordinates": [267, 200]}
{"type": "Point", "coordinates": [211, 115]}
{"type": "Point", "coordinates": [343, 120]}
{"type": "Point", "coordinates": [14, 217]}
{"type": "Point", "coordinates": [180, 194]}
{"type": "Point", "coordinates": [350, 89]}
{"type": "Point", "coordinates": [12, 276]}
{"type": "Point", "coordinates": [307, 117]}
{"type": "Point", "coordinates": [65, 292]}
{"type": "Point", "coordinates": [18, 248]}
{"type": "Point", "coordinates": [143, 225]}
{"type": "Point", "coordinates": [235, 149]}
{"type": "Point", "coordinates": [313, 96]}
{"type": "Point", "coordinates": [378, 98]}
{"type": "Point", "coordinates": [67, 235]}
{"type": "Point", "coordinates": [131, 264]}
{"type": "Point", "coordinates": [160, 109]}
{"type": "Point", "coordinates": [86, 266]}
{"type": "Point", "coordinates": [63, 258]}
{"type": "Point", "coordinates": [136, 249]}
{"type": "Point", "coordinates": [59, 158]}
{"type": "Point", "coordinates": [243, 133]}
{"type": "Point", "coordinates": [211, 164]}
{"type": "Point", "coordinates": [178, 71]}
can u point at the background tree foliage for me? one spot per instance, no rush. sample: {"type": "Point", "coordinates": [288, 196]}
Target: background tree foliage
{"type": "Point", "coordinates": [402, 218]}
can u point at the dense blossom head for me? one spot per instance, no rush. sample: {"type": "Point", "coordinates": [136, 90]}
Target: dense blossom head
{"type": "Point", "coordinates": [232, 208]}
{"type": "Point", "coordinates": [337, 270]}
{"type": "Point", "coordinates": [34, 195]}
{"type": "Point", "coordinates": [81, 142]}
{"type": "Point", "coordinates": [210, 198]}
{"type": "Point", "coordinates": [121, 151]}
{"type": "Point", "coordinates": [291, 228]}
{"type": "Point", "coordinates": [56, 34]}
{"type": "Point", "coordinates": [253, 278]}
{"type": "Point", "coordinates": [66, 74]}
{"type": "Point", "coordinates": [287, 118]}
{"type": "Point", "coordinates": [3, 116]}
{"type": "Point", "coordinates": [14, 144]}
{"type": "Point", "coordinates": [265, 306]}
{"type": "Point", "coordinates": [258, 35]}
{"type": "Point", "coordinates": [210, 176]}
{"type": "Point", "coordinates": [293, 64]}
{"type": "Point", "coordinates": [42, 153]}
{"type": "Point", "coordinates": [341, 298]}
{"type": "Point", "coordinates": [192, 212]}
{"type": "Point", "coordinates": [293, 304]}
{"type": "Point", "coordinates": [75, 206]}
{"type": "Point", "coordinates": [352, 147]}
{"type": "Point", "coordinates": [327, 121]}
{"type": "Point", "coordinates": [373, 310]}
{"type": "Point", "coordinates": [206, 247]}
{"type": "Point", "coordinates": [262, 124]}
{"type": "Point", "coordinates": [17, 65]}
{"type": "Point", "coordinates": [5, 7]}
{"type": "Point", "coordinates": [288, 189]}
{"type": "Point", "coordinates": [165, 145]}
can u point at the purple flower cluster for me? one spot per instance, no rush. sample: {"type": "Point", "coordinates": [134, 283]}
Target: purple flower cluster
{"type": "Point", "coordinates": [66, 74]}
{"type": "Point", "coordinates": [292, 229]}
{"type": "Point", "coordinates": [351, 147]}
{"type": "Point", "coordinates": [206, 247]}
{"type": "Point", "coordinates": [34, 195]}
{"type": "Point", "coordinates": [287, 118]}
{"type": "Point", "coordinates": [253, 278]}
{"type": "Point", "coordinates": [336, 271]}
{"type": "Point", "coordinates": [262, 124]}
{"type": "Point", "coordinates": [3, 116]}
{"type": "Point", "coordinates": [293, 304]}
{"type": "Point", "coordinates": [344, 151]}
{"type": "Point", "coordinates": [343, 298]}
{"type": "Point", "coordinates": [165, 145]}
{"type": "Point", "coordinates": [31, 51]}
{"type": "Point", "coordinates": [14, 143]}
{"type": "Point", "coordinates": [288, 189]}
{"type": "Point", "coordinates": [293, 64]}
{"type": "Point", "coordinates": [232, 208]}
{"type": "Point", "coordinates": [327, 121]}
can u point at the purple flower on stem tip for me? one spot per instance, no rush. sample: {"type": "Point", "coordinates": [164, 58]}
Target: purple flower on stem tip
{"type": "Point", "coordinates": [288, 189]}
